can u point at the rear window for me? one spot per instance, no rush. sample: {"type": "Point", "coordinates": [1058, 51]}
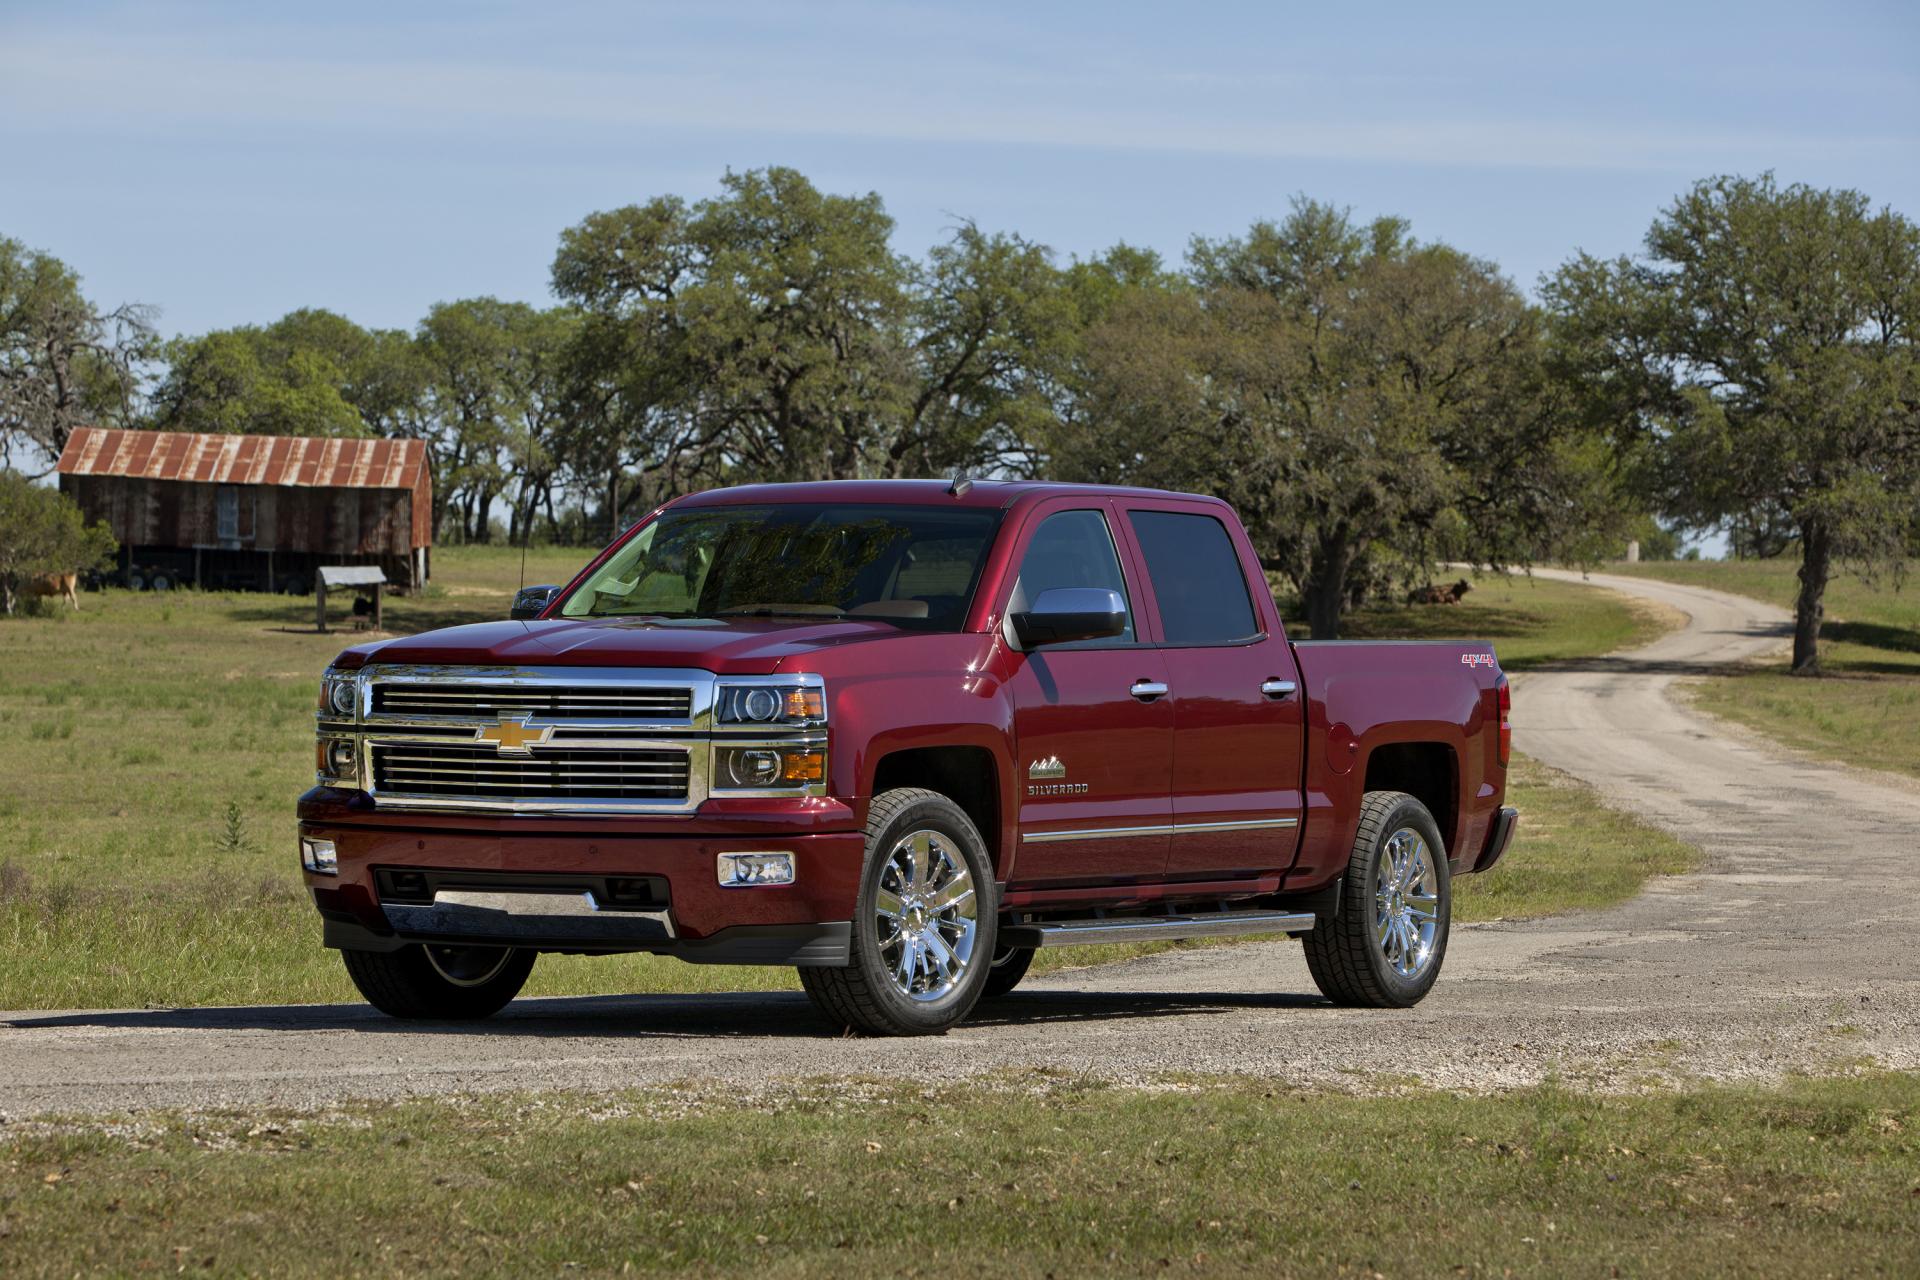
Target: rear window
{"type": "Point", "coordinates": [1196, 578]}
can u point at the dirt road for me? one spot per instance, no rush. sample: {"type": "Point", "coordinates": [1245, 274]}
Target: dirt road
{"type": "Point", "coordinates": [1796, 947]}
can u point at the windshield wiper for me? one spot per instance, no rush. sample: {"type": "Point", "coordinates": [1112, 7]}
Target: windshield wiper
{"type": "Point", "coordinates": [764, 612]}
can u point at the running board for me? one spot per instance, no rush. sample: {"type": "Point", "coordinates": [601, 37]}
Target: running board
{"type": "Point", "coordinates": [1081, 933]}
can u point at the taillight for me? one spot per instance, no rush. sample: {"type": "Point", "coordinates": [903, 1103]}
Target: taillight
{"type": "Point", "coordinates": [1504, 692]}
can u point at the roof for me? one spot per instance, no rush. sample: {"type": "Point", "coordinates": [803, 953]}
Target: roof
{"type": "Point", "coordinates": [223, 459]}
{"type": "Point", "coordinates": [352, 575]}
{"type": "Point", "coordinates": [979, 493]}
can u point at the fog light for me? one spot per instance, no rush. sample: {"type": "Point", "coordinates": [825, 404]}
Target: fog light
{"type": "Point", "coordinates": [340, 761]}
{"type": "Point", "coordinates": [319, 856]}
{"type": "Point", "coordinates": [746, 870]}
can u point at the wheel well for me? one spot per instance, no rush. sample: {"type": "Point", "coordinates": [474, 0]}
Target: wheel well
{"type": "Point", "coordinates": [1424, 770]}
{"type": "Point", "coordinates": [965, 775]}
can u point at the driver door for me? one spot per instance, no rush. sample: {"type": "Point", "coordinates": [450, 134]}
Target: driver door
{"type": "Point", "coordinates": [1093, 727]}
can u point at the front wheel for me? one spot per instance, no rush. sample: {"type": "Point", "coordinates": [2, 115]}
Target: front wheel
{"type": "Point", "coordinates": [1383, 947]}
{"type": "Point", "coordinates": [923, 926]}
{"type": "Point", "coordinates": [426, 981]}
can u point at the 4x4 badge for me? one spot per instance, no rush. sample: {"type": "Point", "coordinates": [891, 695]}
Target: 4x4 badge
{"type": "Point", "coordinates": [1047, 768]}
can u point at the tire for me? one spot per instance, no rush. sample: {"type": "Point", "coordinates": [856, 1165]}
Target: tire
{"type": "Point", "coordinates": [136, 581]}
{"type": "Point", "coordinates": [1350, 960]}
{"type": "Point", "coordinates": [439, 982]}
{"type": "Point", "coordinates": [160, 581]}
{"type": "Point", "coordinates": [1009, 966]}
{"type": "Point", "coordinates": [917, 964]}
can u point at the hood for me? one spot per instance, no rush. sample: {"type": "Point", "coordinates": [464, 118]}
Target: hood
{"type": "Point", "coordinates": [735, 647]}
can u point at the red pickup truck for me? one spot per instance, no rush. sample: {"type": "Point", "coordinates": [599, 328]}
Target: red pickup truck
{"type": "Point", "coordinates": [898, 734]}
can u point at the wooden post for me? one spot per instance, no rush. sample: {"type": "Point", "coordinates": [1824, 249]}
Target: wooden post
{"type": "Point", "coordinates": [379, 598]}
{"type": "Point", "coordinates": [320, 603]}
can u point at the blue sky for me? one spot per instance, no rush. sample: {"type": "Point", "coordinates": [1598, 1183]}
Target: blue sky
{"type": "Point", "coordinates": [229, 163]}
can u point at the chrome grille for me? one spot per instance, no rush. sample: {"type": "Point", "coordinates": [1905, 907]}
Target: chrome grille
{"type": "Point", "coordinates": [437, 769]}
{"type": "Point", "coordinates": [561, 701]}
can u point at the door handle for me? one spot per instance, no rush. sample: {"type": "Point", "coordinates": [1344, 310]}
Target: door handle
{"type": "Point", "coordinates": [1277, 689]}
{"type": "Point", "coordinates": [1148, 690]}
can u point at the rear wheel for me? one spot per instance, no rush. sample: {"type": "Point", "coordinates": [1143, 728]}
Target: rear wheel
{"type": "Point", "coordinates": [1384, 945]}
{"type": "Point", "coordinates": [424, 981]}
{"type": "Point", "coordinates": [1009, 966]}
{"type": "Point", "coordinates": [922, 933]}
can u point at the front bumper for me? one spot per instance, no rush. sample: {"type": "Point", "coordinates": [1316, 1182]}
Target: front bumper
{"type": "Point", "coordinates": [585, 893]}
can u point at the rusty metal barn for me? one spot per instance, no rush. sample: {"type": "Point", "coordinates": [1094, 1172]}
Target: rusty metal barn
{"type": "Point", "coordinates": [253, 512]}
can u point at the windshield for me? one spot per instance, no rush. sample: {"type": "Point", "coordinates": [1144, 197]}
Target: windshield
{"type": "Point", "coordinates": [914, 567]}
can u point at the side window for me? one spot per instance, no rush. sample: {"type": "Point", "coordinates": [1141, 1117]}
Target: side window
{"type": "Point", "coordinates": [1071, 549]}
{"type": "Point", "coordinates": [1196, 578]}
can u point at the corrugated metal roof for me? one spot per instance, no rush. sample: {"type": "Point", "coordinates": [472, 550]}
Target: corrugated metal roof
{"type": "Point", "coordinates": [220, 459]}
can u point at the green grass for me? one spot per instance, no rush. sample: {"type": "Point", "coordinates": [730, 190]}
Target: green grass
{"type": "Point", "coordinates": [1530, 621]}
{"type": "Point", "coordinates": [1864, 708]}
{"type": "Point", "coordinates": [1017, 1175]}
{"type": "Point", "coordinates": [127, 729]}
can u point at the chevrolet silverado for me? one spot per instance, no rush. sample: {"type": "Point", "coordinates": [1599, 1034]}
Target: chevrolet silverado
{"type": "Point", "coordinates": [899, 735]}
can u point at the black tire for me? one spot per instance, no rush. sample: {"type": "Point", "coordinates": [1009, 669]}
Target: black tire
{"type": "Point", "coordinates": [1349, 963]}
{"type": "Point", "coordinates": [1009, 966]}
{"type": "Point", "coordinates": [453, 982]}
{"type": "Point", "coordinates": [865, 995]}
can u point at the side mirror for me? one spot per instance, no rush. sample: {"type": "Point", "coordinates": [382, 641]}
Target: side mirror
{"type": "Point", "coordinates": [531, 602]}
{"type": "Point", "coordinates": [1066, 614]}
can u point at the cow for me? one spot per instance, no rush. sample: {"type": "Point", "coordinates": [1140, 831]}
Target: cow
{"type": "Point", "coordinates": [56, 584]}
{"type": "Point", "coordinates": [1439, 595]}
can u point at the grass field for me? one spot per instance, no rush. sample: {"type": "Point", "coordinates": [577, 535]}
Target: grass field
{"type": "Point", "coordinates": [1865, 709]}
{"type": "Point", "coordinates": [130, 730]}
{"type": "Point", "coordinates": [1026, 1175]}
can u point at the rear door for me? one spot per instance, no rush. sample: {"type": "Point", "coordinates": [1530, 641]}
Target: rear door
{"type": "Point", "coordinates": [1237, 720]}
{"type": "Point", "coordinates": [1093, 729]}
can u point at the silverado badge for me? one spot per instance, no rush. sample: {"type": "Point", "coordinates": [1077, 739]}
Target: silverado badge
{"type": "Point", "coordinates": [1047, 768]}
{"type": "Point", "coordinates": [514, 736]}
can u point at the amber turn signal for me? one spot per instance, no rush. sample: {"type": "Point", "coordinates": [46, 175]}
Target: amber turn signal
{"type": "Point", "coordinates": [797, 767]}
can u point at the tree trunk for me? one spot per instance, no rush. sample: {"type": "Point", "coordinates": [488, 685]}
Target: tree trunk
{"type": "Point", "coordinates": [1325, 590]}
{"type": "Point", "coordinates": [1816, 566]}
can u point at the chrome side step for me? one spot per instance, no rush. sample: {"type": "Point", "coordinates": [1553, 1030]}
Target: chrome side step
{"type": "Point", "coordinates": [1081, 933]}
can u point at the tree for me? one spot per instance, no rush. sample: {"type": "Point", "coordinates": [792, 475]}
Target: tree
{"type": "Point", "coordinates": [496, 396]}
{"type": "Point", "coordinates": [1761, 358]}
{"type": "Point", "coordinates": [990, 318]}
{"type": "Point", "coordinates": [42, 531]}
{"type": "Point", "coordinates": [758, 335]}
{"type": "Point", "coordinates": [1362, 398]}
{"type": "Point", "coordinates": [299, 376]}
{"type": "Point", "coordinates": [64, 363]}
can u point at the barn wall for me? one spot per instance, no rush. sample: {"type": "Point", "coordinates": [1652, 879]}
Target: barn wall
{"type": "Point", "coordinates": [168, 513]}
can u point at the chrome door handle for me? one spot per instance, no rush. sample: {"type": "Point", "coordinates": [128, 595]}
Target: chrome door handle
{"type": "Point", "coordinates": [1148, 690]}
{"type": "Point", "coordinates": [1277, 688]}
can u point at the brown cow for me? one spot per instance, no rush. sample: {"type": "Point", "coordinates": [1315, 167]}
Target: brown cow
{"type": "Point", "coordinates": [56, 584]}
{"type": "Point", "coordinates": [1439, 595]}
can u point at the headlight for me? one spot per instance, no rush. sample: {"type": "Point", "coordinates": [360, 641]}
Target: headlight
{"type": "Point", "coordinates": [339, 696]}
{"type": "Point", "coordinates": [335, 762]}
{"type": "Point", "coordinates": [788, 702]}
{"type": "Point", "coordinates": [768, 768]}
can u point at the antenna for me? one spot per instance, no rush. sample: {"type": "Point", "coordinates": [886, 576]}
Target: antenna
{"type": "Point", "coordinates": [960, 483]}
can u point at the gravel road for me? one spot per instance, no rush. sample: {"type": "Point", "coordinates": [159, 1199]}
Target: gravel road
{"type": "Point", "coordinates": [1796, 947]}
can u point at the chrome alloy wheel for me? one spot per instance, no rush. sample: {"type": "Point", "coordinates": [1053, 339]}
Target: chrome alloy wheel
{"type": "Point", "coordinates": [927, 914]}
{"type": "Point", "coordinates": [468, 966]}
{"type": "Point", "coordinates": [1406, 903]}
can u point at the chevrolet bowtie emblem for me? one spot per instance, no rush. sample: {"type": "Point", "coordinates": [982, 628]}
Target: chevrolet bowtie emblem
{"type": "Point", "coordinates": [1047, 768]}
{"type": "Point", "coordinates": [514, 736]}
